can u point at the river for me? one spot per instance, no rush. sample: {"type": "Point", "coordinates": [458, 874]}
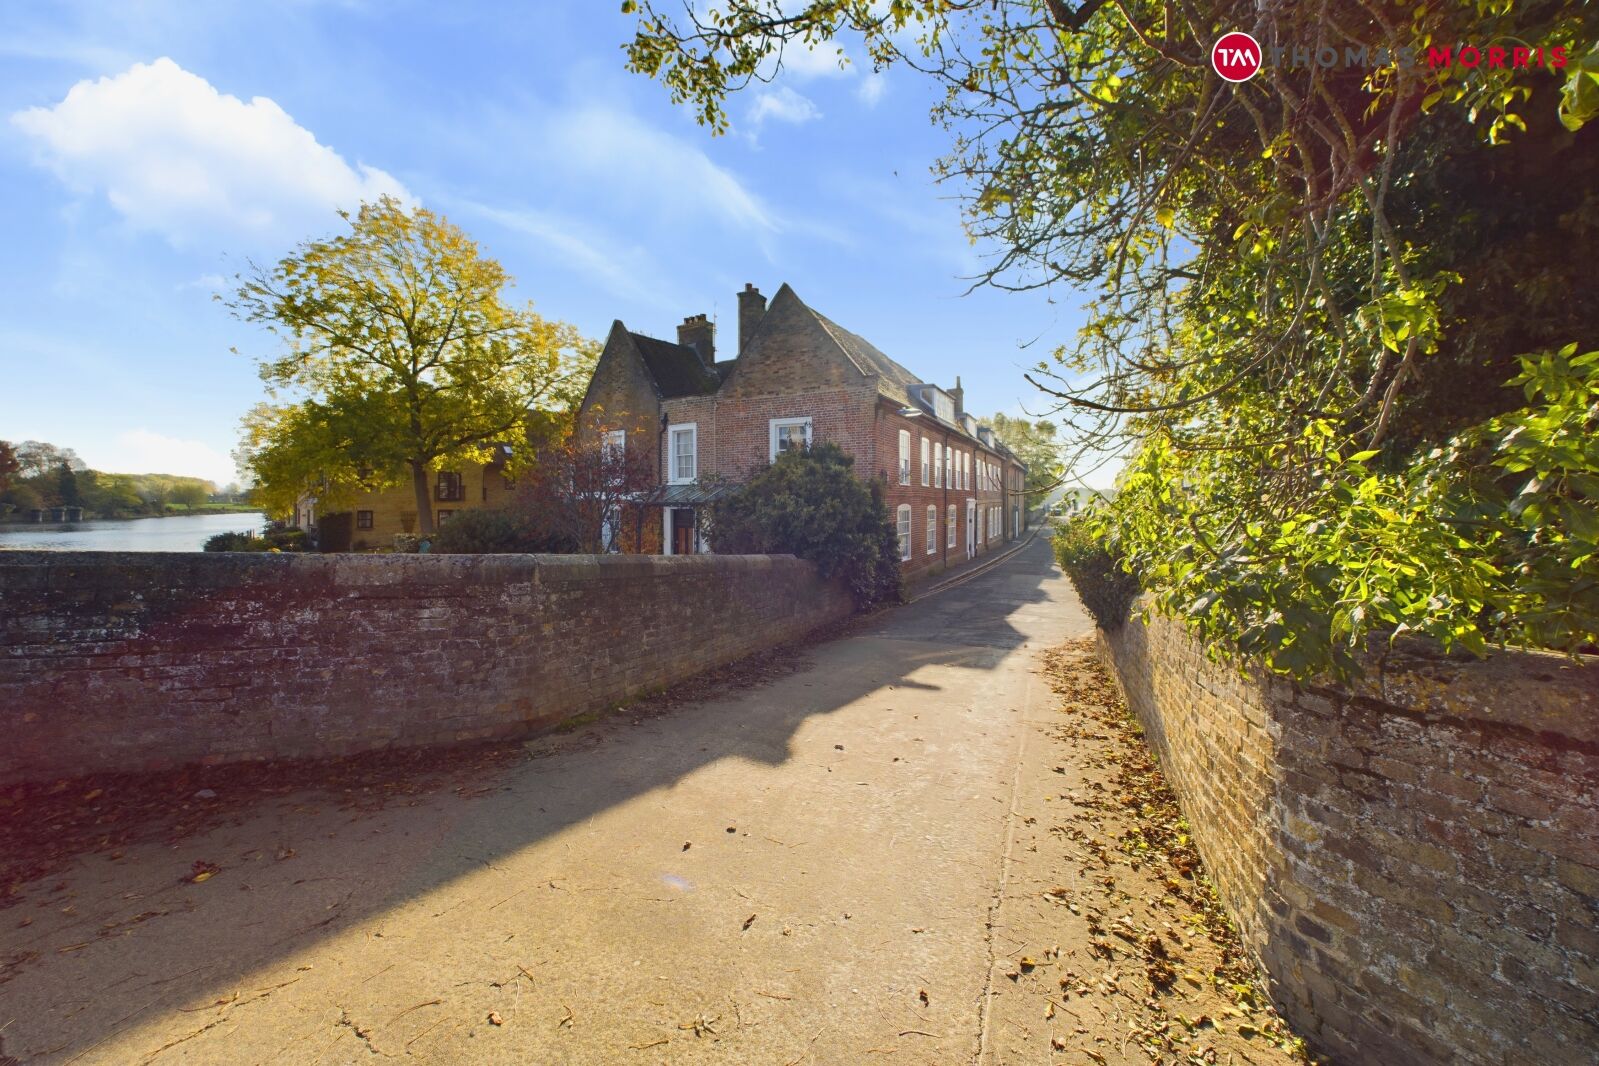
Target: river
{"type": "Point", "coordinates": [177, 533]}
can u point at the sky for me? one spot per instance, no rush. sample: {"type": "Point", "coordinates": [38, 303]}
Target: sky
{"type": "Point", "coordinates": [150, 150]}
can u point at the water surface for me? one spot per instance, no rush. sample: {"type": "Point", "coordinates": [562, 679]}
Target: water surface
{"type": "Point", "coordinates": [178, 533]}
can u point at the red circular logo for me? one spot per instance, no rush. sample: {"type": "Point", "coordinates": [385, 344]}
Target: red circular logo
{"type": "Point", "coordinates": [1236, 56]}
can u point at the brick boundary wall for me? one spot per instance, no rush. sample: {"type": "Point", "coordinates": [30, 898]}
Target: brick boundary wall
{"type": "Point", "coordinates": [1414, 863]}
{"type": "Point", "coordinates": [142, 661]}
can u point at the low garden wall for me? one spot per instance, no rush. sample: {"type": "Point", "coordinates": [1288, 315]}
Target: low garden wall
{"type": "Point", "coordinates": [138, 661]}
{"type": "Point", "coordinates": [1414, 862]}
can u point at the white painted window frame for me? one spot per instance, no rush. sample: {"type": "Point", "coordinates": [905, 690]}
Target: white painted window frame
{"type": "Point", "coordinates": [938, 466]}
{"type": "Point", "coordinates": [614, 443]}
{"type": "Point", "coordinates": [954, 521]}
{"type": "Point", "coordinates": [926, 451]}
{"type": "Point", "coordinates": [672, 432]}
{"type": "Point", "coordinates": [783, 423]}
{"type": "Point", "coordinates": [903, 519]}
{"type": "Point", "coordinates": [932, 529]}
{"type": "Point", "coordinates": [904, 457]}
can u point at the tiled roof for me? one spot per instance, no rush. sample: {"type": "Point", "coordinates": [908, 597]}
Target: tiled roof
{"type": "Point", "coordinates": [677, 369]}
{"type": "Point", "coordinates": [893, 380]}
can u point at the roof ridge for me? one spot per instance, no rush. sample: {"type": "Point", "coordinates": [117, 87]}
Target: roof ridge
{"type": "Point", "coordinates": [828, 327]}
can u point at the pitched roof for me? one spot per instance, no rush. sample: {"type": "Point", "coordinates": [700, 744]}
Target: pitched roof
{"type": "Point", "coordinates": [893, 380]}
{"type": "Point", "coordinates": [677, 369]}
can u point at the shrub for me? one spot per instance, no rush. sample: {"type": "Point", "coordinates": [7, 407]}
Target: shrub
{"type": "Point", "coordinates": [1103, 583]}
{"type": "Point", "coordinates": [232, 542]}
{"type": "Point", "coordinates": [491, 532]}
{"type": "Point", "coordinates": [284, 540]}
{"type": "Point", "coordinates": [810, 504]}
{"type": "Point", "coordinates": [273, 540]}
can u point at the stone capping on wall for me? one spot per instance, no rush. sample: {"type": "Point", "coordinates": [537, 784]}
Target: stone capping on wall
{"type": "Point", "coordinates": [131, 661]}
{"type": "Point", "coordinates": [1413, 860]}
{"type": "Point", "coordinates": [1537, 690]}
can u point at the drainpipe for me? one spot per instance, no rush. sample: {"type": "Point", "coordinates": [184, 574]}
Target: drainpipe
{"type": "Point", "coordinates": [944, 504]}
{"type": "Point", "coordinates": [661, 460]}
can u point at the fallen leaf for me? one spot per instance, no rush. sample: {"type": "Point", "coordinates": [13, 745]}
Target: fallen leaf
{"type": "Point", "coordinates": [203, 871]}
{"type": "Point", "coordinates": [749, 921]}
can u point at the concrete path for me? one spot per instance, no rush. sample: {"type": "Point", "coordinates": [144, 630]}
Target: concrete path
{"type": "Point", "coordinates": [804, 872]}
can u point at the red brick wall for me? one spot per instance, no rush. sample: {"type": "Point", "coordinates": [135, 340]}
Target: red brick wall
{"type": "Point", "coordinates": [702, 411]}
{"type": "Point", "coordinates": [1414, 862]}
{"type": "Point", "coordinates": [133, 661]}
{"type": "Point", "coordinates": [840, 415]}
{"type": "Point", "coordinates": [918, 497]}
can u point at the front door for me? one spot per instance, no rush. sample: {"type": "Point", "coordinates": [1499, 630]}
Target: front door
{"type": "Point", "coordinates": [683, 531]}
{"type": "Point", "coordinates": [971, 528]}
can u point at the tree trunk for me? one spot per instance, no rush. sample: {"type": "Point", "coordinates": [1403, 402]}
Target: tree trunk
{"type": "Point", "coordinates": [424, 501]}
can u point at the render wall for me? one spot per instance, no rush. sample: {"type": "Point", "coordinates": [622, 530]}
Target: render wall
{"type": "Point", "coordinates": [1414, 862]}
{"type": "Point", "coordinates": [139, 661]}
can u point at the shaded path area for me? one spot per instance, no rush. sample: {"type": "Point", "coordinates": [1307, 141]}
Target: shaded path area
{"type": "Point", "coordinates": [801, 872]}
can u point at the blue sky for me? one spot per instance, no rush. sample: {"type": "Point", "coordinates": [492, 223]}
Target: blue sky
{"type": "Point", "coordinates": [147, 149]}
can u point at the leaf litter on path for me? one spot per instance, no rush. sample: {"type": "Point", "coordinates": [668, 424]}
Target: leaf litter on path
{"type": "Point", "coordinates": [1137, 941]}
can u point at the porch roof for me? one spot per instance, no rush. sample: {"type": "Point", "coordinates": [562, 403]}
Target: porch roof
{"type": "Point", "coordinates": [689, 495]}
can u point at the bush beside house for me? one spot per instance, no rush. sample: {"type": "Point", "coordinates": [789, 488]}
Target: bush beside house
{"type": "Point", "coordinates": [810, 504]}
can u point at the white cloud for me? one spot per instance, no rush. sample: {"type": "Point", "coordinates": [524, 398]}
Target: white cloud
{"type": "Point", "coordinates": [141, 451]}
{"type": "Point", "coordinates": [826, 60]}
{"type": "Point", "coordinates": [647, 167]}
{"type": "Point", "coordinates": [175, 156]}
{"type": "Point", "coordinates": [207, 283]}
{"type": "Point", "coordinates": [627, 272]}
{"type": "Point", "coordinates": [871, 89]}
{"type": "Point", "coordinates": [782, 104]}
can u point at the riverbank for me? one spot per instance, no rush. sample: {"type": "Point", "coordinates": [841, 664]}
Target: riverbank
{"type": "Point", "coordinates": [12, 521]}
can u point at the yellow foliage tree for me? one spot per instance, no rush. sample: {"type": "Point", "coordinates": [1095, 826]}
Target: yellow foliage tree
{"type": "Point", "coordinates": [402, 354]}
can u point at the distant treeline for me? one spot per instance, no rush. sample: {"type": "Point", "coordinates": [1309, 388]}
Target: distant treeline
{"type": "Point", "coordinates": [35, 475]}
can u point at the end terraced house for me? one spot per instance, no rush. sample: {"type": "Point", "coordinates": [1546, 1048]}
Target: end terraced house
{"type": "Point", "coordinates": [796, 378]}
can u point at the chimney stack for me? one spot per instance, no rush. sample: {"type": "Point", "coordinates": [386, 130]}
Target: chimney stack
{"type": "Point", "coordinates": [751, 309]}
{"type": "Point", "coordinates": [958, 394]}
{"type": "Point", "coordinates": [699, 332]}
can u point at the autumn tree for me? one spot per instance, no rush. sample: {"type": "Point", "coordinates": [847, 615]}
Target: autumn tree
{"type": "Point", "coordinates": [403, 352]}
{"type": "Point", "coordinates": [1326, 324]}
{"type": "Point", "coordinates": [1038, 446]}
{"type": "Point", "coordinates": [37, 458]}
{"type": "Point", "coordinates": [589, 491]}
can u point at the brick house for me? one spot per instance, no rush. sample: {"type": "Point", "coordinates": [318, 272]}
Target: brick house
{"type": "Point", "coordinates": [953, 488]}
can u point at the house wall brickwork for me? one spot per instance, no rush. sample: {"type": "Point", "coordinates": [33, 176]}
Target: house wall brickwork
{"type": "Point", "coordinates": [1414, 862]}
{"type": "Point", "coordinates": [940, 496]}
{"type": "Point", "coordinates": [139, 661]}
{"type": "Point", "coordinates": [621, 393]}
